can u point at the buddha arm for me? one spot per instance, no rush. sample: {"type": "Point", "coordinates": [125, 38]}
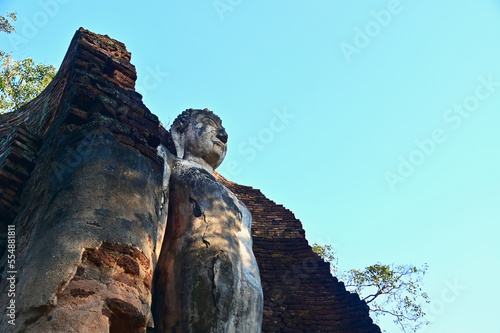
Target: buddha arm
{"type": "Point", "coordinates": [168, 159]}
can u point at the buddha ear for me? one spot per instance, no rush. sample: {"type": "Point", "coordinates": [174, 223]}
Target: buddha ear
{"type": "Point", "coordinates": [178, 139]}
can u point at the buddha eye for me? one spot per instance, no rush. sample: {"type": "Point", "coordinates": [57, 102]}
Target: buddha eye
{"type": "Point", "coordinates": [210, 122]}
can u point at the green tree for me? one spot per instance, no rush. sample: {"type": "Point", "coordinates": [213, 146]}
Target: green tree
{"type": "Point", "coordinates": [6, 23]}
{"type": "Point", "coordinates": [393, 290]}
{"type": "Point", "coordinates": [20, 80]}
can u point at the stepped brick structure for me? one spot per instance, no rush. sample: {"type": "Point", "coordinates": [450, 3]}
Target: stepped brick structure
{"type": "Point", "coordinates": [81, 181]}
{"type": "Point", "coordinates": [300, 294]}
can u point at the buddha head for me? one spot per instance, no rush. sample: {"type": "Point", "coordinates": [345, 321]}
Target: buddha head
{"type": "Point", "coordinates": [199, 137]}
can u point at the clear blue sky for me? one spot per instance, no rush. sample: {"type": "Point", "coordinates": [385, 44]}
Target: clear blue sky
{"type": "Point", "coordinates": [376, 123]}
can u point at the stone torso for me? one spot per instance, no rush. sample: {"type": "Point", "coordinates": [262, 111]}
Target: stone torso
{"type": "Point", "coordinates": [207, 272]}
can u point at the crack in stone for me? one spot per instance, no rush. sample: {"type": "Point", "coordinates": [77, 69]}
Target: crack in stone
{"type": "Point", "coordinates": [198, 213]}
{"type": "Point", "coordinates": [214, 287]}
{"type": "Point", "coordinates": [207, 243]}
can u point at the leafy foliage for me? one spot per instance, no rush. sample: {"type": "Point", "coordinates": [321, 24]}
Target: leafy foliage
{"type": "Point", "coordinates": [20, 80]}
{"type": "Point", "coordinates": [6, 23]}
{"type": "Point", "coordinates": [393, 290]}
{"type": "Point", "coordinates": [326, 252]}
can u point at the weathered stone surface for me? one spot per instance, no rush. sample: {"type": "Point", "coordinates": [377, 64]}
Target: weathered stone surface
{"type": "Point", "coordinates": [85, 203]}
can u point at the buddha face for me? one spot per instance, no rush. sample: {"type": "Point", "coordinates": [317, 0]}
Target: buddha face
{"type": "Point", "coordinates": [204, 138]}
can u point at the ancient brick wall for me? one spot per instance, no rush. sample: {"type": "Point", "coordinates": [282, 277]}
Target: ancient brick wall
{"type": "Point", "coordinates": [81, 180]}
{"type": "Point", "coordinates": [17, 158]}
{"type": "Point", "coordinates": [85, 150]}
{"type": "Point", "coordinates": [300, 294]}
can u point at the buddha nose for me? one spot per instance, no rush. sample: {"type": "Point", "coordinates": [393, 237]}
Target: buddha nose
{"type": "Point", "coordinates": [222, 135]}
